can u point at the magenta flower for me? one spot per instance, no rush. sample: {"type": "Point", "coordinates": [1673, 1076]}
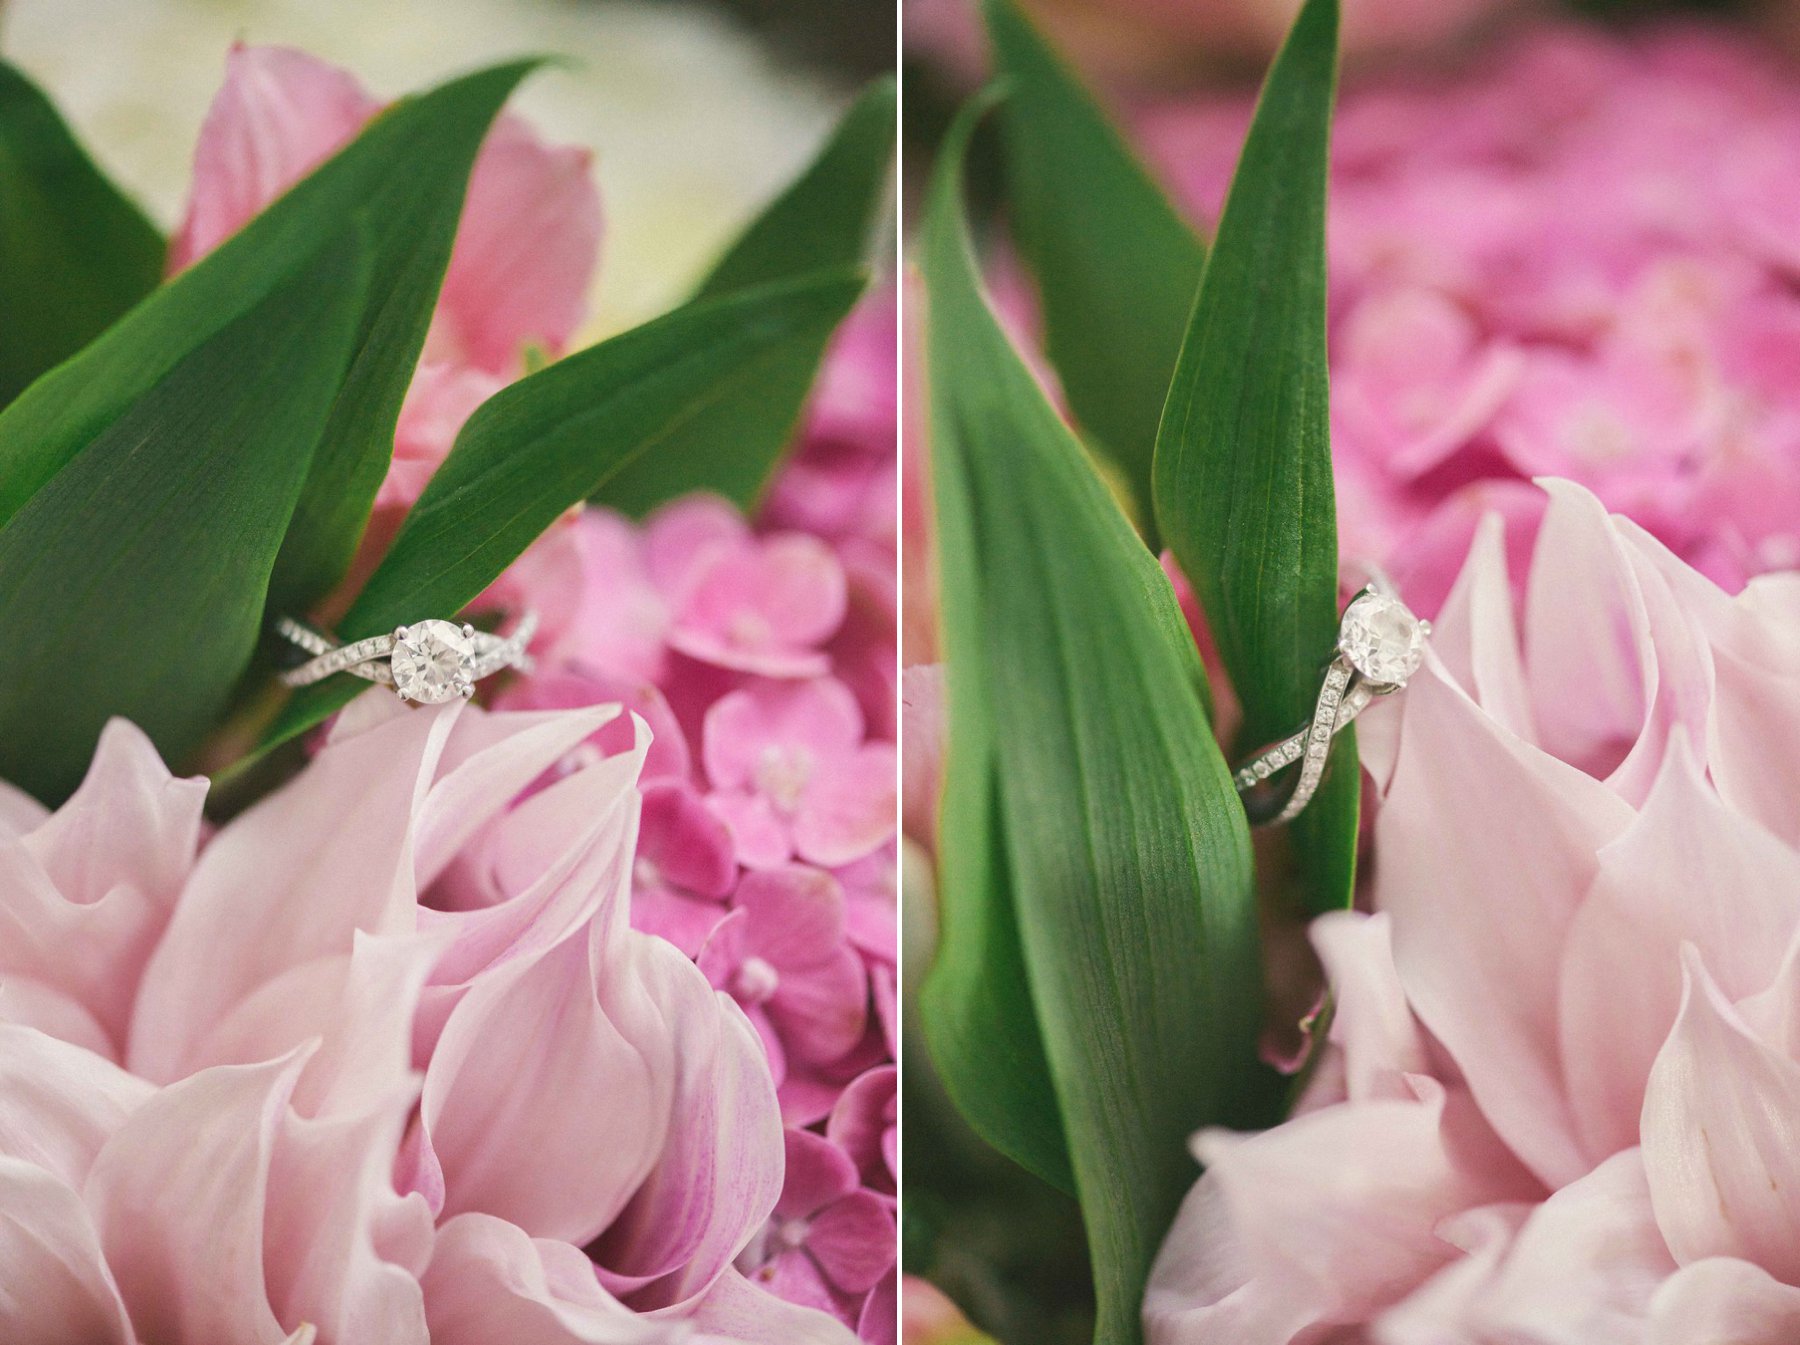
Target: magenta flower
{"type": "Point", "coordinates": [784, 956]}
{"type": "Point", "coordinates": [1559, 1100]}
{"type": "Point", "coordinates": [830, 1242]}
{"type": "Point", "coordinates": [791, 774]}
{"type": "Point", "coordinates": [684, 869]}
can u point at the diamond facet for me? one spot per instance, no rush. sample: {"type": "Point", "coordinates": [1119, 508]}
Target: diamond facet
{"type": "Point", "coordinates": [432, 662]}
{"type": "Point", "coordinates": [1382, 639]}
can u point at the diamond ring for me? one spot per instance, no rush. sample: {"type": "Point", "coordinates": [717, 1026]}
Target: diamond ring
{"type": "Point", "coordinates": [428, 663]}
{"type": "Point", "coordinates": [1380, 645]}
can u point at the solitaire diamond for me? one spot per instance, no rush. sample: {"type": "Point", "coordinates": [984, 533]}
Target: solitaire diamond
{"type": "Point", "coordinates": [1382, 639]}
{"type": "Point", "coordinates": [433, 662]}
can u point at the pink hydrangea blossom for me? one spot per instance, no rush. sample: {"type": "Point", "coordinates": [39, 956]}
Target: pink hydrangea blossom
{"type": "Point", "coordinates": [1560, 1093]}
{"type": "Point", "coordinates": [1557, 257]}
{"type": "Point", "coordinates": [381, 1059]}
{"type": "Point", "coordinates": [526, 248]}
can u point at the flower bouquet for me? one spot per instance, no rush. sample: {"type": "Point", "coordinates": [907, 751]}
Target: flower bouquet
{"type": "Point", "coordinates": [564, 1015]}
{"type": "Point", "coordinates": [1354, 780]}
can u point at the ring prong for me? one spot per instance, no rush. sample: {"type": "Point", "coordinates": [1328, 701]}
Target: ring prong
{"type": "Point", "coordinates": [401, 632]}
{"type": "Point", "coordinates": [468, 631]}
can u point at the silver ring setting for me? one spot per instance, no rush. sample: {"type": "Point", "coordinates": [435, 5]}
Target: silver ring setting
{"type": "Point", "coordinates": [427, 663]}
{"type": "Point", "coordinates": [1380, 646]}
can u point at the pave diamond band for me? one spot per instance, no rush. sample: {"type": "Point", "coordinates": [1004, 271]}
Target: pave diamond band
{"type": "Point", "coordinates": [428, 663]}
{"type": "Point", "coordinates": [1380, 646]}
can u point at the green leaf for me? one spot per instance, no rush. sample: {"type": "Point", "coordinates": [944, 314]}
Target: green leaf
{"type": "Point", "coordinates": [1243, 460]}
{"type": "Point", "coordinates": [823, 221]}
{"type": "Point", "coordinates": [1126, 858]}
{"type": "Point", "coordinates": [828, 215]}
{"type": "Point", "coordinates": [134, 582]}
{"type": "Point", "coordinates": [75, 253]}
{"type": "Point", "coordinates": [1116, 265]}
{"type": "Point", "coordinates": [407, 172]}
{"type": "Point", "coordinates": [552, 439]}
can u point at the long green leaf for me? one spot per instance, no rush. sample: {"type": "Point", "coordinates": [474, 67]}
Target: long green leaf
{"type": "Point", "coordinates": [824, 220]}
{"type": "Point", "coordinates": [134, 582]}
{"type": "Point", "coordinates": [75, 252]}
{"type": "Point", "coordinates": [407, 172]}
{"type": "Point", "coordinates": [1116, 266]}
{"type": "Point", "coordinates": [1243, 460]}
{"type": "Point", "coordinates": [1127, 859]}
{"type": "Point", "coordinates": [548, 441]}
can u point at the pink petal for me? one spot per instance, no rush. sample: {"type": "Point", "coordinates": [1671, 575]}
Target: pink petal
{"type": "Point", "coordinates": [848, 807]}
{"type": "Point", "coordinates": [526, 250]}
{"type": "Point", "coordinates": [60, 1104]}
{"type": "Point", "coordinates": [1728, 1195]}
{"type": "Point", "coordinates": [490, 1284]}
{"type": "Point", "coordinates": [862, 1123]}
{"type": "Point", "coordinates": [686, 843]}
{"type": "Point", "coordinates": [90, 889]}
{"type": "Point", "coordinates": [681, 537]}
{"type": "Point", "coordinates": [178, 1199]}
{"type": "Point", "coordinates": [289, 881]}
{"type": "Point", "coordinates": [759, 837]}
{"type": "Point", "coordinates": [1621, 979]}
{"type": "Point", "coordinates": [1485, 844]}
{"type": "Point", "coordinates": [669, 757]}
{"type": "Point", "coordinates": [719, 1173]}
{"type": "Point", "coordinates": [1723, 1300]}
{"type": "Point", "coordinates": [922, 702]}
{"type": "Point", "coordinates": [764, 608]}
{"type": "Point", "coordinates": [880, 1320]}
{"type": "Point", "coordinates": [853, 1241]}
{"type": "Point", "coordinates": [821, 1010]}
{"type": "Point", "coordinates": [819, 1173]}
{"type": "Point", "coordinates": [577, 1024]}
{"type": "Point", "coordinates": [737, 1312]}
{"type": "Point", "coordinates": [1371, 1023]}
{"type": "Point", "coordinates": [279, 114]}
{"type": "Point", "coordinates": [55, 1288]}
{"type": "Point", "coordinates": [818, 719]}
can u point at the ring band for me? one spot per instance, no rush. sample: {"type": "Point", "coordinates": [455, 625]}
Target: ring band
{"type": "Point", "coordinates": [1380, 645]}
{"type": "Point", "coordinates": [427, 663]}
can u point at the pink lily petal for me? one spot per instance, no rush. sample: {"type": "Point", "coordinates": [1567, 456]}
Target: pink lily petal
{"type": "Point", "coordinates": [562, 1172]}
{"type": "Point", "coordinates": [1640, 911]}
{"type": "Point", "coordinates": [55, 1288]}
{"type": "Point", "coordinates": [716, 1180]}
{"type": "Point", "coordinates": [491, 1284]}
{"type": "Point", "coordinates": [1371, 1025]}
{"type": "Point", "coordinates": [178, 1199]}
{"type": "Point", "coordinates": [526, 250]}
{"type": "Point", "coordinates": [60, 1104]}
{"type": "Point", "coordinates": [1728, 1195]}
{"type": "Point", "coordinates": [34, 1004]}
{"type": "Point", "coordinates": [1486, 844]}
{"type": "Point", "coordinates": [737, 1312]}
{"type": "Point", "coordinates": [669, 757]}
{"type": "Point", "coordinates": [267, 896]}
{"type": "Point", "coordinates": [1724, 1300]}
{"type": "Point", "coordinates": [279, 114]}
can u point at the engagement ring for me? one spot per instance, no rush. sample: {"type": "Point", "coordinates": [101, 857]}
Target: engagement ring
{"type": "Point", "coordinates": [428, 663]}
{"type": "Point", "coordinates": [1380, 645]}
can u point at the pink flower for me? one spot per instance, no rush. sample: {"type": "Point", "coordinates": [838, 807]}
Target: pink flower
{"type": "Point", "coordinates": [792, 774]}
{"type": "Point", "coordinates": [1559, 1100]}
{"type": "Point", "coordinates": [275, 1086]}
{"type": "Point", "coordinates": [784, 956]}
{"type": "Point", "coordinates": [526, 247]}
{"type": "Point", "coordinates": [684, 869]}
{"type": "Point", "coordinates": [1553, 259]}
{"type": "Point", "coordinates": [830, 1242]}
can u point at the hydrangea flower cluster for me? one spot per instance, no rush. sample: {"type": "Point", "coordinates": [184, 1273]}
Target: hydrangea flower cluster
{"type": "Point", "coordinates": [569, 1021]}
{"type": "Point", "coordinates": [1569, 258]}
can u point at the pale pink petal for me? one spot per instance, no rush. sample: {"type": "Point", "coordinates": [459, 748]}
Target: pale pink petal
{"type": "Point", "coordinates": [1371, 1023]}
{"type": "Point", "coordinates": [178, 1198]}
{"type": "Point", "coordinates": [55, 1288]}
{"type": "Point", "coordinates": [765, 607]}
{"type": "Point", "coordinates": [669, 757]}
{"type": "Point", "coordinates": [526, 250]}
{"type": "Point", "coordinates": [848, 806]}
{"type": "Point", "coordinates": [750, 732]}
{"type": "Point", "coordinates": [279, 114]}
{"type": "Point", "coordinates": [737, 1312]}
{"type": "Point", "coordinates": [1645, 903]}
{"type": "Point", "coordinates": [1726, 1301]}
{"type": "Point", "coordinates": [60, 1104]}
{"type": "Point", "coordinates": [1486, 844]}
{"type": "Point", "coordinates": [268, 894]}
{"type": "Point", "coordinates": [33, 1004]}
{"type": "Point", "coordinates": [681, 536]}
{"type": "Point", "coordinates": [564, 1171]}
{"type": "Point", "coordinates": [719, 1172]}
{"type": "Point", "coordinates": [1369, 1181]}
{"type": "Point", "coordinates": [490, 1284]}
{"type": "Point", "coordinates": [1477, 634]}
{"type": "Point", "coordinates": [1721, 1129]}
